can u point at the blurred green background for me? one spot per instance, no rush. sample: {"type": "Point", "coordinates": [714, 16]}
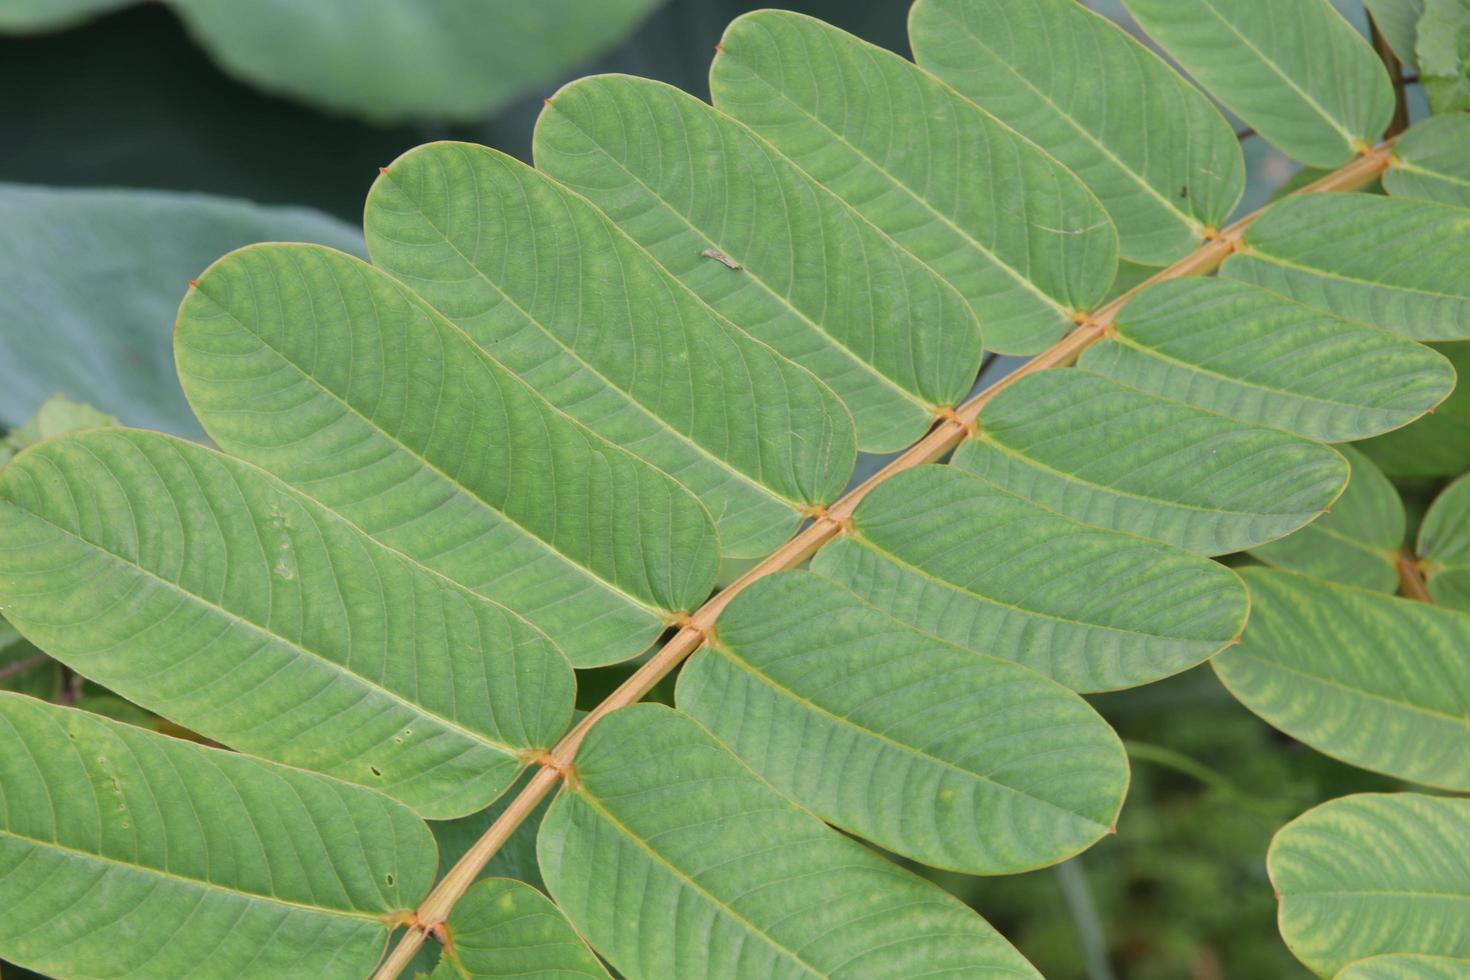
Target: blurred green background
{"type": "Point", "coordinates": [131, 100]}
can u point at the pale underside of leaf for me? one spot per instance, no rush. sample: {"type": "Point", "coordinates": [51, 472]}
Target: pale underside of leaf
{"type": "Point", "coordinates": [1374, 680]}
{"type": "Point", "coordinates": [553, 289]}
{"type": "Point", "coordinates": [901, 738]}
{"type": "Point", "coordinates": [1166, 167]}
{"type": "Point", "coordinates": [203, 589]}
{"type": "Point", "coordinates": [674, 859]}
{"type": "Point", "coordinates": [504, 928]}
{"type": "Point", "coordinates": [931, 168]}
{"type": "Point", "coordinates": [1430, 161]}
{"type": "Point", "coordinates": [1113, 456]}
{"type": "Point", "coordinates": [1444, 546]}
{"type": "Point", "coordinates": [341, 382]}
{"type": "Point", "coordinates": [129, 854]}
{"type": "Point", "coordinates": [1255, 355]}
{"type": "Point", "coordinates": [1394, 262]}
{"type": "Point", "coordinates": [1374, 874]}
{"type": "Point", "coordinates": [1357, 541]}
{"type": "Point", "coordinates": [810, 275]}
{"type": "Point", "coordinates": [1297, 72]}
{"type": "Point", "coordinates": [970, 563]}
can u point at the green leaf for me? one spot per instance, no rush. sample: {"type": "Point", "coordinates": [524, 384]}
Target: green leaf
{"type": "Point", "coordinates": [1430, 162]}
{"type": "Point", "coordinates": [1251, 354]}
{"type": "Point", "coordinates": [675, 860]}
{"type": "Point", "coordinates": [503, 928]}
{"type": "Point", "coordinates": [1357, 541]}
{"type": "Point", "coordinates": [51, 15]}
{"type": "Point", "coordinates": [1406, 966]}
{"type": "Point", "coordinates": [129, 854]}
{"type": "Point", "coordinates": [99, 274]}
{"type": "Point", "coordinates": [203, 589]}
{"type": "Point", "coordinates": [548, 285]}
{"type": "Point", "coordinates": [966, 561]}
{"type": "Point", "coordinates": [814, 278]}
{"type": "Point", "coordinates": [343, 383]}
{"type": "Point", "coordinates": [1437, 444]}
{"type": "Point", "coordinates": [1444, 546]}
{"type": "Point", "coordinates": [1376, 681]}
{"type": "Point", "coordinates": [1166, 168]}
{"type": "Point", "coordinates": [1374, 873]}
{"type": "Point", "coordinates": [1106, 454]}
{"type": "Point", "coordinates": [1443, 51]}
{"type": "Point", "coordinates": [846, 111]}
{"type": "Point", "coordinates": [952, 758]}
{"type": "Point", "coordinates": [1297, 72]}
{"type": "Point", "coordinates": [1398, 20]}
{"type": "Point", "coordinates": [1390, 261]}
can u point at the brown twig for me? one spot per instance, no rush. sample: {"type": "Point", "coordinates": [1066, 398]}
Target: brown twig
{"type": "Point", "coordinates": [952, 428]}
{"type": "Point", "coordinates": [1400, 120]}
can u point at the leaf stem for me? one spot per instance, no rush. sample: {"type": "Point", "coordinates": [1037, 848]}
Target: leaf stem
{"type": "Point", "coordinates": [1075, 891]}
{"type": "Point", "coordinates": [1411, 577]}
{"type": "Point", "coordinates": [21, 666]}
{"type": "Point", "coordinates": [947, 433]}
{"type": "Point", "coordinates": [1168, 758]}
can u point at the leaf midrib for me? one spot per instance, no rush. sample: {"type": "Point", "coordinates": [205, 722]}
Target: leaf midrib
{"type": "Point", "coordinates": [1260, 254]}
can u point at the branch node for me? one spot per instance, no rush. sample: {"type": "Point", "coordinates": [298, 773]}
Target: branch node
{"type": "Point", "coordinates": [948, 416]}
{"type": "Point", "coordinates": [548, 760]}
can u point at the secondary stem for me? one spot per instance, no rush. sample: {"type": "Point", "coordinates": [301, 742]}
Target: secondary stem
{"type": "Point", "coordinates": [946, 434]}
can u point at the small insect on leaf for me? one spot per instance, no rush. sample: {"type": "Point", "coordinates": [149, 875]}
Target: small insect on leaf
{"type": "Point", "coordinates": [721, 258]}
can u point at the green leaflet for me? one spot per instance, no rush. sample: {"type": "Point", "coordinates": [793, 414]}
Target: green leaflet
{"type": "Point", "coordinates": [848, 113]}
{"type": "Point", "coordinates": [814, 279]}
{"type": "Point", "coordinates": [129, 854]}
{"type": "Point", "coordinates": [203, 589]}
{"type": "Point", "coordinates": [340, 381]}
{"type": "Point", "coordinates": [951, 758]}
{"type": "Point", "coordinates": [972, 564]}
{"type": "Point", "coordinates": [1443, 51]}
{"type": "Point", "coordinates": [1166, 167]}
{"type": "Point", "coordinates": [675, 860]}
{"type": "Point", "coordinates": [550, 287]}
{"type": "Point", "coordinates": [1249, 353]}
{"type": "Point", "coordinates": [99, 273]}
{"type": "Point", "coordinates": [1297, 72]}
{"type": "Point", "coordinates": [1444, 546]}
{"type": "Point", "coordinates": [1430, 161]}
{"type": "Point", "coordinates": [1398, 20]}
{"type": "Point", "coordinates": [1355, 543]}
{"type": "Point", "coordinates": [1374, 873]}
{"type": "Point", "coordinates": [503, 928]}
{"type": "Point", "coordinates": [1390, 261]}
{"type": "Point", "coordinates": [1376, 681]}
{"type": "Point", "coordinates": [1437, 444]}
{"type": "Point", "coordinates": [1106, 454]}
{"type": "Point", "coordinates": [1406, 966]}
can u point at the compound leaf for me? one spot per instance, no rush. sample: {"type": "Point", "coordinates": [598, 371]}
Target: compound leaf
{"type": "Point", "coordinates": [342, 382]}
{"type": "Point", "coordinates": [207, 591]}
{"type": "Point", "coordinates": [1297, 72]}
{"type": "Point", "coordinates": [769, 247]}
{"type": "Point", "coordinates": [1393, 262]}
{"type": "Point", "coordinates": [549, 285]}
{"type": "Point", "coordinates": [972, 564]}
{"type": "Point", "coordinates": [729, 878]}
{"type": "Point", "coordinates": [1374, 873]}
{"type": "Point", "coordinates": [952, 758]}
{"type": "Point", "coordinates": [1356, 543]}
{"type": "Point", "coordinates": [504, 928]}
{"type": "Point", "coordinates": [1374, 680]}
{"type": "Point", "coordinates": [129, 854]}
{"type": "Point", "coordinates": [1166, 168]}
{"type": "Point", "coordinates": [1252, 354]}
{"type": "Point", "coordinates": [1107, 454]}
{"type": "Point", "coordinates": [845, 112]}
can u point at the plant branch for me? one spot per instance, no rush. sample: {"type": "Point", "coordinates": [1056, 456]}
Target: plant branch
{"type": "Point", "coordinates": [1412, 584]}
{"type": "Point", "coordinates": [948, 432]}
{"type": "Point", "coordinates": [21, 666]}
{"type": "Point", "coordinates": [1400, 119]}
{"type": "Point", "coordinates": [1179, 762]}
{"type": "Point", "coordinates": [1078, 896]}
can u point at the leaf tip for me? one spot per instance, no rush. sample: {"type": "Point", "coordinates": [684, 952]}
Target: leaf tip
{"type": "Point", "coordinates": [382, 171]}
